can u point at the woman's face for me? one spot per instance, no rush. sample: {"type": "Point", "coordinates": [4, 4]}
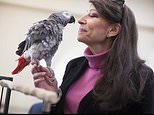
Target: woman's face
{"type": "Point", "coordinates": [93, 30]}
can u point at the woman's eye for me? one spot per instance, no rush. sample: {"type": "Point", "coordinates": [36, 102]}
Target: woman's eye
{"type": "Point", "coordinates": [93, 14]}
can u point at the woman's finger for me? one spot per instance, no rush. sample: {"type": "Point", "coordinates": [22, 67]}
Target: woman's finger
{"type": "Point", "coordinates": [38, 82]}
{"type": "Point", "coordinates": [35, 62]}
{"type": "Point", "coordinates": [39, 75]}
{"type": "Point", "coordinates": [34, 69]}
{"type": "Point", "coordinates": [45, 69]}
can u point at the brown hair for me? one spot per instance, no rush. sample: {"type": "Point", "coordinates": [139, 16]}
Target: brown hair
{"type": "Point", "coordinates": [123, 77]}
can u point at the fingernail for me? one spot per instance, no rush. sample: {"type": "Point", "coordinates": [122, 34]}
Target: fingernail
{"type": "Point", "coordinates": [44, 73]}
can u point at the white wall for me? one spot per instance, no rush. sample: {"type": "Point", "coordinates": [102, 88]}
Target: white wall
{"type": "Point", "coordinates": [16, 16]}
{"type": "Point", "coordinates": [14, 23]}
{"type": "Point", "coordinates": [143, 10]}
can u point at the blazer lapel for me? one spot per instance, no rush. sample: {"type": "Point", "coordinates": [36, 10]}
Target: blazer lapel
{"type": "Point", "coordinates": [72, 73]}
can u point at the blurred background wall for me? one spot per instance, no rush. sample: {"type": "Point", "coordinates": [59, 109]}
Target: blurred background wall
{"type": "Point", "coordinates": [17, 16]}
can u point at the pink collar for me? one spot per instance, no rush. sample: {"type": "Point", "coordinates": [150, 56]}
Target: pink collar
{"type": "Point", "coordinates": [95, 60]}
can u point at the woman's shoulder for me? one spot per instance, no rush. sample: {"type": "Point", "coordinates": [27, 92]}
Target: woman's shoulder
{"type": "Point", "coordinates": [142, 74]}
{"type": "Point", "coordinates": [146, 69]}
{"type": "Point", "coordinates": [147, 74]}
{"type": "Point", "coordinates": [74, 65]}
{"type": "Point", "coordinates": [77, 60]}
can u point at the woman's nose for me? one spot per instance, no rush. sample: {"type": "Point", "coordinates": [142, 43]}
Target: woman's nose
{"type": "Point", "coordinates": [82, 20]}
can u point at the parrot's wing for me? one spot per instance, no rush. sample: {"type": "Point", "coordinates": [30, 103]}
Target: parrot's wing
{"type": "Point", "coordinates": [44, 30]}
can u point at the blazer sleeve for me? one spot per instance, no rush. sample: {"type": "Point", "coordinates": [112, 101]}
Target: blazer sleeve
{"type": "Point", "coordinates": [146, 104]}
{"type": "Point", "coordinates": [149, 94]}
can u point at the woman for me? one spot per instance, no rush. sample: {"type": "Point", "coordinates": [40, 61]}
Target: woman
{"type": "Point", "coordinates": [110, 77]}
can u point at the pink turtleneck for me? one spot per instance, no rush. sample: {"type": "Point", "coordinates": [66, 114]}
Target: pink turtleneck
{"type": "Point", "coordinates": [86, 82]}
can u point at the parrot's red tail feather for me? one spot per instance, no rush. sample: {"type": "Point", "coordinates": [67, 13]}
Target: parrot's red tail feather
{"type": "Point", "coordinates": [22, 63]}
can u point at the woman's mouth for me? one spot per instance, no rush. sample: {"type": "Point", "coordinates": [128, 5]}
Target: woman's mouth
{"type": "Point", "coordinates": [82, 30]}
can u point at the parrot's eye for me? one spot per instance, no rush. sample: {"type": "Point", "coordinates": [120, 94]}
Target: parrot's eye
{"type": "Point", "coordinates": [67, 14]}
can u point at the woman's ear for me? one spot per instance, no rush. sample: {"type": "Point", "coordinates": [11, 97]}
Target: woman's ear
{"type": "Point", "coordinates": [114, 30]}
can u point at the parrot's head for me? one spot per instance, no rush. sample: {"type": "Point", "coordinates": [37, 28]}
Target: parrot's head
{"type": "Point", "coordinates": [63, 17]}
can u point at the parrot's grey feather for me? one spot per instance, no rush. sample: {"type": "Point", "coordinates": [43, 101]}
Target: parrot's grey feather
{"type": "Point", "coordinates": [44, 37]}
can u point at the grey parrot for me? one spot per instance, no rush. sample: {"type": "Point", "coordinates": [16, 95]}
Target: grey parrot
{"type": "Point", "coordinates": [42, 40]}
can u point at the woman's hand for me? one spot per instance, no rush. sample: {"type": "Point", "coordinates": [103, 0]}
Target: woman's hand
{"type": "Point", "coordinates": [43, 77]}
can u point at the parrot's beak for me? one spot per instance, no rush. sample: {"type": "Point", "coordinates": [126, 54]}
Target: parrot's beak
{"type": "Point", "coordinates": [22, 63]}
{"type": "Point", "coordinates": [72, 20]}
